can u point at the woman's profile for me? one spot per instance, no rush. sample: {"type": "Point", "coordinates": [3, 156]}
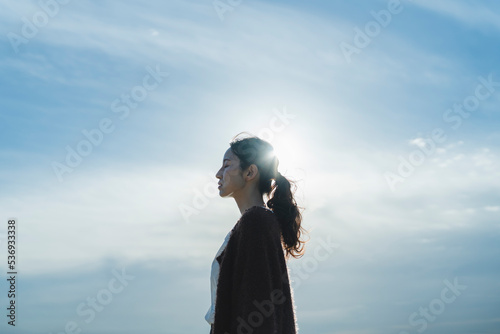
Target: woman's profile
{"type": "Point", "coordinates": [250, 285]}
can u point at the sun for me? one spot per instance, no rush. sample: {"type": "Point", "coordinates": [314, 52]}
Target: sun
{"type": "Point", "coordinates": [289, 152]}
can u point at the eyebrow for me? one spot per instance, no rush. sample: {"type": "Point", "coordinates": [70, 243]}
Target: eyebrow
{"type": "Point", "coordinates": [225, 160]}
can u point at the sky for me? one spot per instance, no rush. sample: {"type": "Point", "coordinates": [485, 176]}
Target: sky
{"type": "Point", "coordinates": [115, 117]}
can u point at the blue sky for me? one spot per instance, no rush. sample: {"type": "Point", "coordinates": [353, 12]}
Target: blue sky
{"type": "Point", "coordinates": [400, 185]}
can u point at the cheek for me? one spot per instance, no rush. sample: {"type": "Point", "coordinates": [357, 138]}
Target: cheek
{"type": "Point", "coordinates": [231, 176]}
{"type": "Point", "coordinates": [227, 176]}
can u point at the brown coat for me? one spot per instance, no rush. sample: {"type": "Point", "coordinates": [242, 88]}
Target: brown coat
{"type": "Point", "coordinates": [253, 292]}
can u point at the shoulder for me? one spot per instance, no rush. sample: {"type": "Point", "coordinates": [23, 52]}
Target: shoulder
{"type": "Point", "coordinates": [257, 221]}
{"type": "Point", "coordinates": [257, 216]}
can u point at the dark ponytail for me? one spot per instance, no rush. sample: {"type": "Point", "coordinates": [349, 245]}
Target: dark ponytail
{"type": "Point", "coordinates": [253, 150]}
{"type": "Point", "coordinates": [284, 206]}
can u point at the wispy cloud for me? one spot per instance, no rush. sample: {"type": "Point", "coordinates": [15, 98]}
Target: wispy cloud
{"type": "Point", "coordinates": [351, 122]}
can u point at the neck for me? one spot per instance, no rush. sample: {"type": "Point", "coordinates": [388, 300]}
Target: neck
{"type": "Point", "coordinates": [246, 202]}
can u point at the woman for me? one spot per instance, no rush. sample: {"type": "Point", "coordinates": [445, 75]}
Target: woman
{"type": "Point", "coordinates": [250, 285]}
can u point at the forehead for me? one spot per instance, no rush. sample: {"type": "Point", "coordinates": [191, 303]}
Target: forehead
{"type": "Point", "coordinates": [229, 155]}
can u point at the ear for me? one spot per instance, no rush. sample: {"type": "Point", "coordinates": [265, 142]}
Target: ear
{"type": "Point", "coordinates": [251, 172]}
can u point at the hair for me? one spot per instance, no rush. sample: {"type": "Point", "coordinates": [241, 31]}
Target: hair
{"type": "Point", "coordinates": [253, 150]}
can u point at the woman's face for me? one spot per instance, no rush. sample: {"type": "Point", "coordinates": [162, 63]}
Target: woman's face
{"type": "Point", "coordinates": [230, 176]}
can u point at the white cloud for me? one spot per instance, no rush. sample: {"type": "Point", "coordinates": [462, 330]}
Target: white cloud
{"type": "Point", "coordinates": [111, 211]}
{"type": "Point", "coordinates": [419, 142]}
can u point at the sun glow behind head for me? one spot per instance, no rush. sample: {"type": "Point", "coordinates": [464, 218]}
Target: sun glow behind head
{"type": "Point", "coordinates": [290, 154]}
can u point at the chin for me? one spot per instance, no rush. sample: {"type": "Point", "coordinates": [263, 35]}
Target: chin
{"type": "Point", "coordinates": [224, 194]}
